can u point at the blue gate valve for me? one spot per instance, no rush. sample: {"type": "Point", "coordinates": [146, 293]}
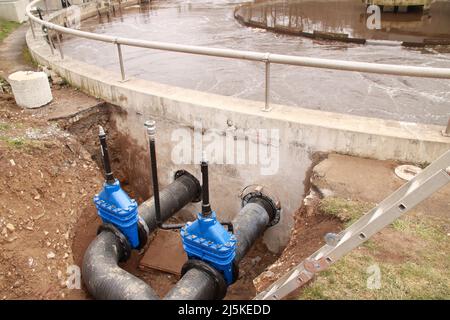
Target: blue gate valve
{"type": "Point", "coordinates": [113, 205]}
{"type": "Point", "coordinates": [206, 238]}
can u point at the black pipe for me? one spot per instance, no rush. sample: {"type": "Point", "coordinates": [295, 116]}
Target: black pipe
{"type": "Point", "coordinates": [151, 132]}
{"type": "Point", "coordinates": [102, 276]}
{"type": "Point", "coordinates": [206, 207]}
{"type": "Point", "coordinates": [195, 284]}
{"type": "Point", "coordinates": [104, 279]}
{"type": "Point", "coordinates": [249, 224]}
{"type": "Point", "coordinates": [185, 189]}
{"type": "Point", "coordinates": [109, 177]}
{"type": "Point", "coordinates": [40, 13]}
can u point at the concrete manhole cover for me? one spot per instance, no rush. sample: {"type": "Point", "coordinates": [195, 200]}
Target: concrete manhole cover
{"type": "Point", "coordinates": [407, 171]}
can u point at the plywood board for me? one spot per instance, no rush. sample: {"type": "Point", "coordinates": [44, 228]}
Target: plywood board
{"type": "Point", "coordinates": [165, 253]}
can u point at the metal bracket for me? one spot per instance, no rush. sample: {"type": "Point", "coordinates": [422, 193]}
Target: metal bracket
{"type": "Point", "coordinates": [314, 266]}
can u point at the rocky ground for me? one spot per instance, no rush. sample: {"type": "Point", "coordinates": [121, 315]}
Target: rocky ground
{"type": "Point", "coordinates": [47, 181]}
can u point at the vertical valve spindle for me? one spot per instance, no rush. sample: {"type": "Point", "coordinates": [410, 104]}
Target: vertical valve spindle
{"type": "Point", "coordinates": [151, 132]}
{"type": "Point", "coordinates": [105, 156]}
{"type": "Point", "coordinates": [206, 207]}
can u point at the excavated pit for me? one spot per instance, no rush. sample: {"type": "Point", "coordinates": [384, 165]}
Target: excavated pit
{"type": "Point", "coordinates": [70, 197]}
{"type": "Point", "coordinates": [130, 163]}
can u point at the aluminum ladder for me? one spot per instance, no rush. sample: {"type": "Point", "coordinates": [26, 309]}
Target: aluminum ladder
{"type": "Point", "coordinates": [429, 181]}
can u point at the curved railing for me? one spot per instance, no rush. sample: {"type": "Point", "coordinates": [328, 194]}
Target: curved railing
{"type": "Point", "coordinates": [266, 58]}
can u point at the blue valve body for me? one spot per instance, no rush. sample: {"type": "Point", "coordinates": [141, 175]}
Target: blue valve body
{"type": "Point", "coordinates": [114, 206]}
{"type": "Point", "coordinates": [206, 239]}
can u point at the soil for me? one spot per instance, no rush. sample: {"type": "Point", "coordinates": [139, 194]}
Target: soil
{"type": "Point", "coordinates": [307, 237]}
{"type": "Point", "coordinates": [46, 186]}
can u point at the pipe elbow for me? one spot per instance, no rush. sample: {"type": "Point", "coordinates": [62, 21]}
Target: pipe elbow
{"type": "Point", "coordinates": [103, 277]}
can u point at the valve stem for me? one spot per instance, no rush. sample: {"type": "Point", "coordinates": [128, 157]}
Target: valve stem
{"type": "Point", "coordinates": [206, 207]}
{"type": "Point", "coordinates": [109, 177]}
{"type": "Point", "coordinates": [151, 132]}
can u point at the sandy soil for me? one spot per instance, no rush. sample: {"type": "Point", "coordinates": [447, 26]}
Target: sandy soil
{"type": "Point", "coordinates": [47, 182]}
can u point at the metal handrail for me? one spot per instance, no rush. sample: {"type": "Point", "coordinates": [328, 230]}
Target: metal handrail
{"type": "Point", "coordinates": [266, 58]}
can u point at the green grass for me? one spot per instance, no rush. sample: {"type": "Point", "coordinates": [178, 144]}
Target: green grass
{"type": "Point", "coordinates": [348, 211]}
{"type": "Point", "coordinates": [424, 228]}
{"type": "Point", "coordinates": [28, 58]}
{"type": "Point", "coordinates": [6, 27]}
{"type": "Point", "coordinates": [20, 143]}
{"type": "Point", "coordinates": [347, 279]}
{"type": "Point", "coordinates": [4, 127]}
{"type": "Point", "coordinates": [14, 142]}
{"type": "Point", "coordinates": [427, 276]}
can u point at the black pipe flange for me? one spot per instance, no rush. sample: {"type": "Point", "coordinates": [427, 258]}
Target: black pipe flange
{"type": "Point", "coordinates": [181, 173]}
{"type": "Point", "coordinates": [219, 281]}
{"type": "Point", "coordinates": [235, 271]}
{"type": "Point", "coordinates": [142, 233]}
{"type": "Point", "coordinates": [126, 247]}
{"type": "Point", "coordinates": [256, 195]}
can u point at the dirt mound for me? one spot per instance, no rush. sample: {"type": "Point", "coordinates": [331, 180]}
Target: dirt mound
{"type": "Point", "coordinates": [47, 181]}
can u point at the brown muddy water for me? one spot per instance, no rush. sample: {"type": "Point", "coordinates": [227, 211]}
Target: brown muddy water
{"type": "Point", "coordinates": [349, 17]}
{"type": "Point", "coordinates": [212, 23]}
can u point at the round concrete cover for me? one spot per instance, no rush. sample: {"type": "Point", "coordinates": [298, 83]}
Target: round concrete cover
{"type": "Point", "coordinates": [407, 171]}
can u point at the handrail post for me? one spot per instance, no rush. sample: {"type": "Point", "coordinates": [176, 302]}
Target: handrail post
{"type": "Point", "coordinates": [446, 131]}
{"type": "Point", "coordinates": [46, 7]}
{"type": "Point", "coordinates": [32, 29]}
{"type": "Point", "coordinates": [122, 68]}
{"type": "Point", "coordinates": [50, 40]}
{"type": "Point", "coordinates": [60, 46]}
{"type": "Point", "coordinates": [267, 108]}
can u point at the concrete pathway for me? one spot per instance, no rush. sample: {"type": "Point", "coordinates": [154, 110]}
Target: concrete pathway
{"type": "Point", "coordinates": [12, 53]}
{"type": "Point", "coordinates": [67, 101]}
{"type": "Point", "coordinates": [370, 181]}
